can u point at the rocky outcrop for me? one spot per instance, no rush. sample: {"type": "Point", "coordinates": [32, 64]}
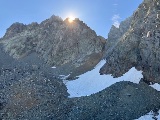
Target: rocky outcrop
{"type": "Point", "coordinates": [139, 45]}
{"type": "Point", "coordinates": [115, 34]}
{"type": "Point", "coordinates": [56, 41]}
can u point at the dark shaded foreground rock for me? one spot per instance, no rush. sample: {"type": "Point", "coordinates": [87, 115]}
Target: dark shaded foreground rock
{"type": "Point", "coordinates": [121, 101]}
{"type": "Point", "coordinates": [139, 45]}
{"type": "Point", "coordinates": [12, 70]}
{"type": "Point", "coordinates": [26, 83]}
{"type": "Point", "coordinates": [29, 93]}
{"type": "Point", "coordinates": [41, 99]}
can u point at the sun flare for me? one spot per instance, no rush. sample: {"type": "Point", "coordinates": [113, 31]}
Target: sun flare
{"type": "Point", "coordinates": [71, 19]}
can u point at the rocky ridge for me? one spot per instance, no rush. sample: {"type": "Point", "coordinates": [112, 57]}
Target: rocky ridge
{"type": "Point", "coordinates": [139, 45]}
{"type": "Point", "coordinates": [56, 41]}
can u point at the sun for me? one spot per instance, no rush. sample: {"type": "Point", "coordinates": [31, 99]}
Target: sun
{"type": "Point", "coordinates": [71, 19]}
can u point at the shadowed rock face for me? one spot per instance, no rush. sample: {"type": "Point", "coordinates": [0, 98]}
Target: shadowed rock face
{"type": "Point", "coordinates": [56, 41]}
{"type": "Point", "coordinates": [139, 46]}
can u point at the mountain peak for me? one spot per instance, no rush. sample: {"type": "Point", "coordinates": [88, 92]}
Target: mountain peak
{"type": "Point", "coordinates": [56, 41]}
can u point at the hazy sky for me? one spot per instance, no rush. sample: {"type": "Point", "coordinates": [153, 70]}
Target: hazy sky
{"type": "Point", "coordinates": [97, 14]}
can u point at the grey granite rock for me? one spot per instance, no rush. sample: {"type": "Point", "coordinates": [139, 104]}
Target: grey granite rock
{"type": "Point", "coordinates": [56, 41]}
{"type": "Point", "coordinates": [139, 45]}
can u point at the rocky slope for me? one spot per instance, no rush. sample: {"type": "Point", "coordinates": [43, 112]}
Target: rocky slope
{"type": "Point", "coordinates": [56, 41]}
{"type": "Point", "coordinates": [139, 45]}
{"type": "Point", "coordinates": [29, 89]}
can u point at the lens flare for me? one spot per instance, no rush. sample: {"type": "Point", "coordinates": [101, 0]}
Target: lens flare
{"type": "Point", "coordinates": [71, 19]}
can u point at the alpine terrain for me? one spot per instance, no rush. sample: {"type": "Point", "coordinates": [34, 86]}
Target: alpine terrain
{"type": "Point", "coordinates": [62, 70]}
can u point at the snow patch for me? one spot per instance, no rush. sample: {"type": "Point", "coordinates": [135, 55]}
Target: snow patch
{"type": "Point", "coordinates": [156, 86]}
{"type": "Point", "coordinates": [92, 82]}
{"type": "Point", "coordinates": [150, 116]}
{"type": "Point", "coordinates": [53, 67]}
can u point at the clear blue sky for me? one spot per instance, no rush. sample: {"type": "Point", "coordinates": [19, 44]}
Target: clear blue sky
{"type": "Point", "coordinates": [97, 14]}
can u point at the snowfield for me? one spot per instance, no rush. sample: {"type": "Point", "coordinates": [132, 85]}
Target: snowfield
{"type": "Point", "coordinates": [92, 82]}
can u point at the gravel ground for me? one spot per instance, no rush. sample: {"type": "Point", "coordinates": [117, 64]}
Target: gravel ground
{"type": "Point", "coordinates": [121, 101]}
{"type": "Point", "coordinates": [29, 89]}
